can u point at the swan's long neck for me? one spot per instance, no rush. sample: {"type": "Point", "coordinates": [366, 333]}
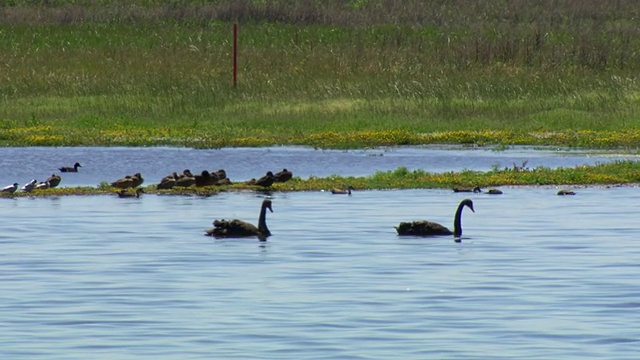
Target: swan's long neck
{"type": "Point", "coordinates": [262, 221]}
{"type": "Point", "coordinates": [457, 221]}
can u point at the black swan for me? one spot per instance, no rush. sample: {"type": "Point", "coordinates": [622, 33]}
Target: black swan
{"type": "Point", "coordinates": [70, 169]}
{"type": "Point", "coordinates": [428, 228]}
{"type": "Point", "coordinates": [239, 229]}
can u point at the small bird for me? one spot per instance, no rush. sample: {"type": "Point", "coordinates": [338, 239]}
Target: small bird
{"type": "Point", "coordinates": [29, 186]}
{"type": "Point", "coordinates": [129, 181]}
{"type": "Point", "coordinates": [494, 191]}
{"type": "Point", "coordinates": [267, 180]}
{"type": "Point", "coordinates": [10, 188]}
{"type": "Point", "coordinates": [342, 192]}
{"type": "Point", "coordinates": [566, 192]}
{"type": "Point", "coordinates": [70, 169]}
{"type": "Point", "coordinates": [54, 180]}
{"type": "Point", "coordinates": [467, 189]}
{"type": "Point", "coordinates": [284, 175]}
{"type": "Point", "coordinates": [43, 185]}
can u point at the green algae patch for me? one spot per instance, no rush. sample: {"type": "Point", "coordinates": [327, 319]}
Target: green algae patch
{"type": "Point", "coordinates": [613, 173]}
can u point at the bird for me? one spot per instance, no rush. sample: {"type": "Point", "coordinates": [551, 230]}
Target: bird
{"type": "Point", "coordinates": [267, 180]}
{"type": "Point", "coordinates": [493, 191]}
{"type": "Point", "coordinates": [185, 180]}
{"type": "Point", "coordinates": [74, 168]}
{"type": "Point", "coordinates": [467, 189]}
{"type": "Point", "coordinates": [342, 192]}
{"type": "Point", "coordinates": [29, 186]}
{"type": "Point", "coordinates": [239, 229]}
{"type": "Point", "coordinates": [566, 192]}
{"type": "Point", "coordinates": [205, 179]}
{"type": "Point", "coordinates": [10, 188]}
{"type": "Point", "coordinates": [168, 182]}
{"type": "Point", "coordinates": [129, 181]}
{"type": "Point", "coordinates": [54, 180]}
{"type": "Point", "coordinates": [221, 174]}
{"type": "Point", "coordinates": [124, 194]}
{"type": "Point", "coordinates": [43, 185]}
{"type": "Point", "coordinates": [428, 228]}
{"type": "Point", "coordinates": [283, 176]}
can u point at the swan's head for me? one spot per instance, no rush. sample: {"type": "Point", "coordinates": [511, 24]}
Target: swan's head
{"type": "Point", "coordinates": [267, 204]}
{"type": "Point", "coordinates": [468, 203]}
{"type": "Point", "coordinates": [477, 189]}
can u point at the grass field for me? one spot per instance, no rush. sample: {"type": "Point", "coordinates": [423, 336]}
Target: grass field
{"type": "Point", "coordinates": [325, 74]}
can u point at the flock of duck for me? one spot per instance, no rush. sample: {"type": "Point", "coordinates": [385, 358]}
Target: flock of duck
{"type": "Point", "coordinates": [238, 228]}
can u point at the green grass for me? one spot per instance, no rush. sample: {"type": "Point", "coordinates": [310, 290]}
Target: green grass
{"type": "Point", "coordinates": [348, 74]}
{"type": "Point", "coordinates": [613, 173]}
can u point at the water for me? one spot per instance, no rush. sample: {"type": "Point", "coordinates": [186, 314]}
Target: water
{"type": "Point", "coordinates": [109, 164]}
{"type": "Point", "coordinates": [537, 276]}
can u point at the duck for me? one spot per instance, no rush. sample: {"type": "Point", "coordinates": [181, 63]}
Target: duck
{"type": "Point", "coordinates": [467, 189]}
{"type": "Point", "coordinates": [566, 192]}
{"type": "Point", "coordinates": [428, 228]}
{"type": "Point", "coordinates": [73, 168]}
{"type": "Point", "coordinates": [342, 191]}
{"type": "Point", "coordinates": [124, 194]}
{"type": "Point", "coordinates": [205, 179]}
{"type": "Point", "coordinates": [221, 174]}
{"type": "Point", "coordinates": [283, 176]}
{"type": "Point", "coordinates": [494, 191]}
{"type": "Point", "coordinates": [185, 180]}
{"type": "Point", "coordinates": [240, 229]}
{"type": "Point", "coordinates": [129, 181]}
{"type": "Point", "coordinates": [267, 180]}
{"type": "Point", "coordinates": [167, 182]}
{"type": "Point", "coordinates": [10, 188]}
{"type": "Point", "coordinates": [54, 180]}
{"type": "Point", "coordinates": [29, 186]}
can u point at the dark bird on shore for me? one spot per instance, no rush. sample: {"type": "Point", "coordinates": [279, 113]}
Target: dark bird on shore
{"type": "Point", "coordinates": [221, 174]}
{"type": "Point", "coordinates": [54, 180]}
{"type": "Point", "coordinates": [167, 182]}
{"type": "Point", "coordinates": [186, 179]}
{"type": "Point", "coordinates": [467, 189]}
{"type": "Point", "coordinates": [124, 194]}
{"type": "Point", "coordinates": [566, 192]}
{"type": "Point", "coordinates": [266, 180]}
{"type": "Point", "coordinates": [69, 168]}
{"type": "Point", "coordinates": [428, 228]}
{"type": "Point", "coordinates": [10, 188]}
{"type": "Point", "coordinates": [239, 229]}
{"type": "Point", "coordinates": [342, 191]}
{"type": "Point", "coordinates": [205, 179]}
{"type": "Point", "coordinates": [284, 175]}
{"type": "Point", "coordinates": [129, 181]}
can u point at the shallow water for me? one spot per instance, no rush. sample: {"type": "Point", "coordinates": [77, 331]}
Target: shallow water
{"type": "Point", "coordinates": [111, 163]}
{"type": "Point", "coordinates": [537, 276]}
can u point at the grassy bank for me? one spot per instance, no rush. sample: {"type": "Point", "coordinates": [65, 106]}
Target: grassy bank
{"type": "Point", "coordinates": [334, 74]}
{"type": "Point", "coordinates": [614, 173]}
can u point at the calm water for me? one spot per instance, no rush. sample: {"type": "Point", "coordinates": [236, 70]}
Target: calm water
{"type": "Point", "coordinates": [108, 164]}
{"type": "Point", "coordinates": [537, 276]}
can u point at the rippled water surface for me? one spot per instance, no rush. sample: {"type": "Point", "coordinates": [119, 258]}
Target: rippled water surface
{"type": "Point", "coordinates": [536, 276]}
{"type": "Point", "coordinates": [111, 163]}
